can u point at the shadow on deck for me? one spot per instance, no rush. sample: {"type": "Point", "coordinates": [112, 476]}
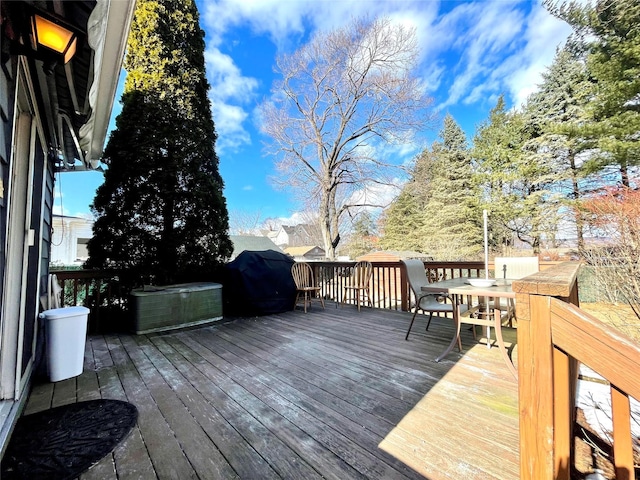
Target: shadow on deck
{"type": "Point", "coordinates": [333, 393]}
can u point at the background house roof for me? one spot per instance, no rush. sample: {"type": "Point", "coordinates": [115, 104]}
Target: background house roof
{"type": "Point", "coordinates": [251, 243]}
{"type": "Point", "coordinates": [302, 251]}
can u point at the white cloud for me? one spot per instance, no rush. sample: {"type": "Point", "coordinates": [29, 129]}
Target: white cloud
{"type": "Point", "coordinates": [283, 20]}
{"type": "Point", "coordinates": [230, 91]}
{"type": "Point", "coordinates": [375, 194]}
{"type": "Point", "coordinates": [61, 210]}
{"type": "Point", "coordinates": [274, 17]}
{"type": "Point", "coordinates": [229, 126]}
{"type": "Point", "coordinates": [544, 34]}
{"type": "Point", "coordinates": [475, 51]}
{"type": "Point", "coordinates": [58, 210]}
{"type": "Point", "coordinates": [502, 48]}
{"type": "Point", "coordinates": [229, 81]}
{"type": "Point", "coordinates": [58, 204]}
{"type": "Point", "coordinates": [481, 33]}
{"type": "Point", "coordinates": [432, 76]}
{"type": "Point", "coordinates": [295, 218]}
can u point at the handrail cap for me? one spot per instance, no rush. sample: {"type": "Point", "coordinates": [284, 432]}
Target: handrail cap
{"type": "Point", "coordinates": [557, 281]}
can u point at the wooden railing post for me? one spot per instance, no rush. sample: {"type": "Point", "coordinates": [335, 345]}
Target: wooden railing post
{"type": "Point", "coordinates": [563, 406]}
{"type": "Point", "coordinates": [622, 445]}
{"type": "Point", "coordinates": [547, 376]}
{"type": "Point", "coordinates": [535, 386]}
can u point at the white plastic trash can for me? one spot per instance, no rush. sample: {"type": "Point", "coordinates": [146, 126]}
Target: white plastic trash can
{"type": "Point", "coordinates": [66, 333]}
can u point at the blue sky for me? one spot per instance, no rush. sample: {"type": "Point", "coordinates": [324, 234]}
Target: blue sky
{"type": "Point", "coordinates": [470, 53]}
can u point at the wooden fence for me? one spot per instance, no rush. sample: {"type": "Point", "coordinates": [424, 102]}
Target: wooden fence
{"type": "Point", "coordinates": [100, 291]}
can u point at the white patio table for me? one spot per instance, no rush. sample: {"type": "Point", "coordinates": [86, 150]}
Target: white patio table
{"type": "Point", "coordinates": [459, 288]}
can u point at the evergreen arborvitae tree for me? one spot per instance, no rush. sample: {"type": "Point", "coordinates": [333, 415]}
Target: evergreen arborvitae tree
{"type": "Point", "coordinates": [161, 214]}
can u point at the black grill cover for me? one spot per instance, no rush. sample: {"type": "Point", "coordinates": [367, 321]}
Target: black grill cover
{"type": "Point", "coordinates": [259, 283]}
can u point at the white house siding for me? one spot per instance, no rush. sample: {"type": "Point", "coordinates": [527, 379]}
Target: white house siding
{"type": "Point", "coordinates": [68, 240]}
{"type": "Point", "coordinates": [282, 238]}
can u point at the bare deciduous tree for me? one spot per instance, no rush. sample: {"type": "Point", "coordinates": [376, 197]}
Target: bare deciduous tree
{"type": "Point", "coordinates": [245, 222]}
{"type": "Point", "coordinates": [615, 215]}
{"type": "Point", "coordinates": [342, 97]}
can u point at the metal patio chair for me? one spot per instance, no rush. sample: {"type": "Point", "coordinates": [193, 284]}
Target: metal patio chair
{"type": "Point", "coordinates": [427, 302]}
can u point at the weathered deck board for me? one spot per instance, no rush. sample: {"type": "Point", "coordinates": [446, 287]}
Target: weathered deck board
{"type": "Point", "coordinates": [333, 393]}
{"type": "Point", "coordinates": [256, 378]}
{"type": "Point", "coordinates": [283, 433]}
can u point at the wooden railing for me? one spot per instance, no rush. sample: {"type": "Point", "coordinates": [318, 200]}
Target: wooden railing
{"type": "Point", "coordinates": [100, 291]}
{"type": "Point", "coordinates": [103, 292]}
{"type": "Point", "coordinates": [388, 287]}
{"type": "Point", "coordinates": [554, 336]}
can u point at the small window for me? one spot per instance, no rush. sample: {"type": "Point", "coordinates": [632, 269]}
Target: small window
{"type": "Point", "coordinates": [82, 253]}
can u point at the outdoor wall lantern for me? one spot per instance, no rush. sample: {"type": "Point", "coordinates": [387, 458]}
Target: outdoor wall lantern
{"type": "Point", "coordinates": [57, 39]}
{"type": "Point", "coordinates": [37, 34]}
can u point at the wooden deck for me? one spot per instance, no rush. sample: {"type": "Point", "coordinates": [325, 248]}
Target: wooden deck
{"type": "Point", "coordinates": [333, 393]}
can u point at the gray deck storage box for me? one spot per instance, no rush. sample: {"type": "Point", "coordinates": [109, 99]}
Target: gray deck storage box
{"type": "Point", "coordinates": [175, 306]}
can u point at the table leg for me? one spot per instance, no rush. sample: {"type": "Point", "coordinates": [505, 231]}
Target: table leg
{"type": "Point", "coordinates": [456, 337]}
{"type": "Point", "coordinates": [503, 350]}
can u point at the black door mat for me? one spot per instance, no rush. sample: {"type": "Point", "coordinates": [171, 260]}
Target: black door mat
{"type": "Point", "coordinates": [63, 442]}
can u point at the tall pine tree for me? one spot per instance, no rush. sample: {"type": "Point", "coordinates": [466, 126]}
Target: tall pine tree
{"type": "Point", "coordinates": [436, 212]}
{"type": "Point", "coordinates": [452, 226]}
{"type": "Point", "coordinates": [554, 117]}
{"type": "Point", "coordinates": [402, 221]}
{"type": "Point", "coordinates": [161, 213]}
{"type": "Point", "coordinates": [608, 31]}
{"type": "Point", "coordinates": [514, 181]}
